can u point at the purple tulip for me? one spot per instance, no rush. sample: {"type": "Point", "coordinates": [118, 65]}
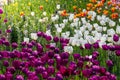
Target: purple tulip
{"type": "Point", "coordinates": [23, 44]}
{"type": "Point", "coordinates": [19, 77]}
{"type": "Point", "coordinates": [104, 78]}
{"type": "Point", "coordinates": [10, 69]}
{"type": "Point", "coordinates": [39, 34]}
{"type": "Point", "coordinates": [96, 68]}
{"type": "Point", "coordinates": [2, 77]}
{"type": "Point", "coordinates": [1, 11]}
{"type": "Point", "coordinates": [50, 70]}
{"type": "Point", "coordinates": [40, 69]}
{"type": "Point", "coordinates": [105, 47]}
{"type": "Point", "coordinates": [50, 54]}
{"type": "Point", "coordinates": [102, 70]}
{"type": "Point", "coordinates": [96, 45]}
{"type": "Point", "coordinates": [6, 43]}
{"type": "Point", "coordinates": [56, 50]}
{"type": "Point", "coordinates": [76, 55]}
{"type": "Point", "coordinates": [9, 76]}
{"type": "Point", "coordinates": [59, 77]}
{"type": "Point", "coordinates": [16, 64]}
{"type": "Point", "coordinates": [117, 52]}
{"type": "Point", "coordinates": [29, 45]}
{"type": "Point", "coordinates": [51, 62]}
{"type": "Point", "coordinates": [51, 78]}
{"type": "Point", "coordinates": [45, 75]}
{"type": "Point", "coordinates": [95, 77]}
{"type": "Point", "coordinates": [112, 77]}
{"type": "Point", "coordinates": [112, 48]}
{"type": "Point", "coordinates": [56, 39]}
{"type": "Point", "coordinates": [115, 37]}
{"type": "Point", "coordinates": [88, 46]}
{"type": "Point", "coordinates": [64, 55]}
{"type": "Point", "coordinates": [14, 45]}
{"type": "Point", "coordinates": [87, 72]}
{"type": "Point", "coordinates": [6, 63]}
{"type": "Point", "coordinates": [80, 64]}
{"type": "Point", "coordinates": [109, 63]}
{"type": "Point", "coordinates": [48, 38]}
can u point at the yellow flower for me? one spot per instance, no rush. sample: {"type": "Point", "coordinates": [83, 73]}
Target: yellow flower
{"type": "Point", "coordinates": [22, 13]}
{"type": "Point", "coordinates": [46, 0]}
{"type": "Point", "coordinates": [29, 4]}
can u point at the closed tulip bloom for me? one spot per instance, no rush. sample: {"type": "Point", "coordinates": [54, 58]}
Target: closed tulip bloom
{"type": "Point", "coordinates": [59, 77]}
{"type": "Point", "coordinates": [117, 52]}
{"type": "Point", "coordinates": [1, 11]}
{"type": "Point", "coordinates": [86, 73]}
{"type": "Point", "coordinates": [56, 39]}
{"type": "Point", "coordinates": [6, 63]}
{"type": "Point", "coordinates": [16, 64]}
{"type": "Point", "coordinates": [109, 63]}
{"type": "Point", "coordinates": [45, 75]}
{"type": "Point", "coordinates": [76, 55]}
{"type": "Point", "coordinates": [88, 46]}
{"type": "Point", "coordinates": [14, 45]}
{"type": "Point", "coordinates": [115, 37]}
{"type": "Point", "coordinates": [19, 77]}
{"type": "Point", "coordinates": [2, 77]}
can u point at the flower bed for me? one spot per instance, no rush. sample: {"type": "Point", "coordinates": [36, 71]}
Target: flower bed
{"type": "Point", "coordinates": [53, 40]}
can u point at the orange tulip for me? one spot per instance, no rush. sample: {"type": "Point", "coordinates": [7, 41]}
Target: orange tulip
{"type": "Point", "coordinates": [113, 9]}
{"type": "Point", "coordinates": [109, 2]}
{"type": "Point", "coordinates": [105, 12]}
{"type": "Point", "coordinates": [21, 13]}
{"type": "Point", "coordinates": [114, 15]}
{"type": "Point", "coordinates": [89, 5]}
{"type": "Point", "coordinates": [41, 7]}
{"type": "Point", "coordinates": [93, 1]}
{"type": "Point", "coordinates": [74, 7]}
{"type": "Point", "coordinates": [89, 17]}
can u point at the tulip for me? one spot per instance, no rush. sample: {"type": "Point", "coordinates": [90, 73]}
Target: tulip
{"type": "Point", "coordinates": [2, 77]}
{"type": "Point", "coordinates": [6, 63]}
{"type": "Point", "coordinates": [14, 45]}
{"type": "Point", "coordinates": [1, 11]}
{"type": "Point", "coordinates": [115, 37]}
{"type": "Point", "coordinates": [19, 77]}
{"type": "Point", "coordinates": [117, 52]}
{"type": "Point", "coordinates": [109, 63]}
{"type": "Point", "coordinates": [88, 46]}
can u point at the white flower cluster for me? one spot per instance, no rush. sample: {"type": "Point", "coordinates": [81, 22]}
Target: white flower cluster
{"type": "Point", "coordinates": [98, 28]}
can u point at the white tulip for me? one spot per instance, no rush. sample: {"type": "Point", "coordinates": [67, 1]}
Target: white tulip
{"type": "Point", "coordinates": [65, 21]}
{"type": "Point", "coordinates": [110, 32]}
{"type": "Point", "coordinates": [44, 13]}
{"type": "Point", "coordinates": [71, 17]}
{"type": "Point", "coordinates": [102, 22]}
{"type": "Point", "coordinates": [112, 23]}
{"type": "Point", "coordinates": [99, 29]}
{"type": "Point", "coordinates": [110, 39]}
{"type": "Point", "coordinates": [26, 39]}
{"type": "Point", "coordinates": [104, 28]}
{"type": "Point", "coordinates": [32, 13]}
{"type": "Point", "coordinates": [99, 18]}
{"type": "Point", "coordinates": [62, 25]}
{"type": "Point", "coordinates": [68, 49]}
{"type": "Point", "coordinates": [118, 29]}
{"type": "Point", "coordinates": [59, 30]}
{"type": "Point", "coordinates": [58, 6]}
{"type": "Point", "coordinates": [34, 36]}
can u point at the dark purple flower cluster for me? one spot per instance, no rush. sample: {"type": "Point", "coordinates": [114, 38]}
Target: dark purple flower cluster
{"type": "Point", "coordinates": [35, 61]}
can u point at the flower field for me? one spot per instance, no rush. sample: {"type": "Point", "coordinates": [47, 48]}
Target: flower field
{"type": "Point", "coordinates": [60, 40]}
